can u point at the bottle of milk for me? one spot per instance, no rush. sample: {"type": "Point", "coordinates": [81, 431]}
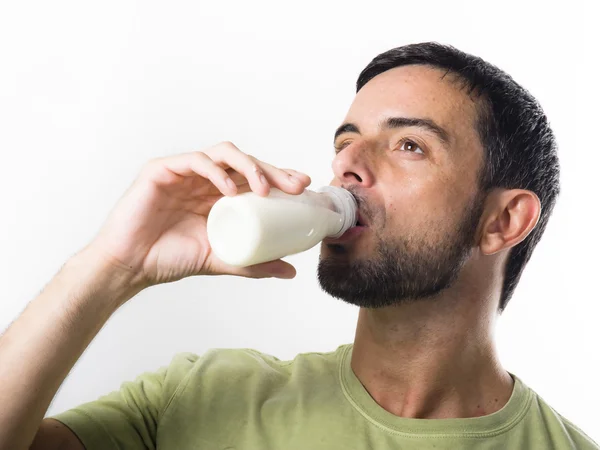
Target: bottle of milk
{"type": "Point", "coordinates": [249, 229]}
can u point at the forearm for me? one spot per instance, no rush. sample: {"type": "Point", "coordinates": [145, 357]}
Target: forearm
{"type": "Point", "coordinates": [39, 349]}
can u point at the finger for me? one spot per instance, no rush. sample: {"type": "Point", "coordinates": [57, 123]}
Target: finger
{"type": "Point", "coordinates": [237, 177]}
{"type": "Point", "coordinates": [229, 156]}
{"type": "Point", "coordinates": [271, 269]}
{"type": "Point", "coordinates": [263, 175]}
{"type": "Point", "coordinates": [301, 175]}
{"type": "Point", "coordinates": [198, 163]}
{"type": "Point", "coordinates": [289, 181]}
{"type": "Point", "coordinates": [272, 178]}
{"type": "Point", "coordinates": [201, 191]}
{"type": "Point", "coordinates": [304, 179]}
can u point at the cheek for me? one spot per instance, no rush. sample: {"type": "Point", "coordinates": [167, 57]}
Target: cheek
{"type": "Point", "coordinates": [422, 206]}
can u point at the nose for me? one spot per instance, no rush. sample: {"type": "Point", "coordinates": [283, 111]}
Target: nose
{"type": "Point", "coordinates": [351, 167]}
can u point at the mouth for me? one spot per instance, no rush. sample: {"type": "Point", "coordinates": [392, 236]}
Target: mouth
{"type": "Point", "coordinates": [351, 234]}
{"type": "Point", "coordinates": [360, 221]}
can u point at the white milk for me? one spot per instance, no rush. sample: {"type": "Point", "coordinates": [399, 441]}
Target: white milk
{"type": "Point", "coordinates": [249, 229]}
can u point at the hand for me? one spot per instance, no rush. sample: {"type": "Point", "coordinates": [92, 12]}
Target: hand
{"type": "Point", "coordinates": [157, 230]}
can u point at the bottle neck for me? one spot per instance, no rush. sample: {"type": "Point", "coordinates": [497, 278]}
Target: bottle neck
{"type": "Point", "coordinates": [345, 204]}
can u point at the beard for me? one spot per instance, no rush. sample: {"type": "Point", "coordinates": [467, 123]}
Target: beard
{"type": "Point", "coordinates": [403, 269]}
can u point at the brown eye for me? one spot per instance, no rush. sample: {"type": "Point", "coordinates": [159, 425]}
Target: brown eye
{"type": "Point", "coordinates": [411, 146]}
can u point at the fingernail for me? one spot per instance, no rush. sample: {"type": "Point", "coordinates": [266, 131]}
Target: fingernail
{"type": "Point", "coordinates": [231, 184]}
{"type": "Point", "coordinates": [295, 180]}
{"type": "Point", "coordinates": [263, 180]}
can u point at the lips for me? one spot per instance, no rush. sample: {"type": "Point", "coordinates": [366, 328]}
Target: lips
{"type": "Point", "coordinates": [360, 221]}
{"type": "Point", "coordinates": [352, 233]}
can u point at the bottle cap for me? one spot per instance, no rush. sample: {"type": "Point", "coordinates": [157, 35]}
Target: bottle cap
{"type": "Point", "coordinates": [346, 205]}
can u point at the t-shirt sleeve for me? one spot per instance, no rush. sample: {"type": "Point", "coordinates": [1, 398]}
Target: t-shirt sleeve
{"type": "Point", "coordinates": [129, 417]}
{"type": "Point", "coordinates": [581, 440]}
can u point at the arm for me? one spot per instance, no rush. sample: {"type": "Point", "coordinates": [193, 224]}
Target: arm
{"type": "Point", "coordinates": [39, 349]}
{"type": "Point", "coordinates": [53, 435]}
{"type": "Point", "coordinates": [155, 234]}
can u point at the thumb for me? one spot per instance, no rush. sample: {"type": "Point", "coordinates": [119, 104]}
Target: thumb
{"type": "Point", "coordinates": [271, 269]}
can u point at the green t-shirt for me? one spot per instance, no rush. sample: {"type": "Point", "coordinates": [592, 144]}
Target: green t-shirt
{"type": "Point", "coordinates": [243, 399]}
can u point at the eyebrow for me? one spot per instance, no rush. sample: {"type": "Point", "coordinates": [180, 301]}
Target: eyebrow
{"type": "Point", "coordinates": [400, 122]}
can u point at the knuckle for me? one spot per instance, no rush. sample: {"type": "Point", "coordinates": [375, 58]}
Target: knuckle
{"type": "Point", "coordinates": [254, 163]}
{"type": "Point", "coordinates": [151, 165]}
{"type": "Point", "coordinates": [227, 144]}
{"type": "Point", "coordinates": [200, 156]}
{"type": "Point", "coordinates": [254, 167]}
{"type": "Point", "coordinates": [153, 162]}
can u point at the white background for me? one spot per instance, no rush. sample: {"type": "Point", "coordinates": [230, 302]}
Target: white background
{"type": "Point", "coordinates": [91, 90]}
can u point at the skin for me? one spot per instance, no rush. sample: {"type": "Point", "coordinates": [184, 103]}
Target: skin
{"type": "Point", "coordinates": [433, 357]}
{"type": "Point", "coordinates": [156, 234]}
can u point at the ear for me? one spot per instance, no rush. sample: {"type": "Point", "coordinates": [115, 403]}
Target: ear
{"type": "Point", "coordinates": [511, 216]}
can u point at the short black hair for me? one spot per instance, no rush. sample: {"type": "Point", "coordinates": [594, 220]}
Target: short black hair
{"type": "Point", "coordinates": [520, 150]}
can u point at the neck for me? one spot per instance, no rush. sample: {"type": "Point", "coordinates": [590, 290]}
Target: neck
{"type": "Point", "coordinates": [433, 358]}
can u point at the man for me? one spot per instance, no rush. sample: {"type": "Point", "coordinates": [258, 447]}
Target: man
{"type": "Point", "coordinates": [455, 171]}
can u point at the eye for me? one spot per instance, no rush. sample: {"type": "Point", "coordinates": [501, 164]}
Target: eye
{"type": "Point", "coordinates": [342, 146]}
{"type": "Point", "coordinates": [411, 146]}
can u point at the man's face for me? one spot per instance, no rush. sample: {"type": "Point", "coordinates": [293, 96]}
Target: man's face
{"type": "Point", "coordinates": [416, 182]}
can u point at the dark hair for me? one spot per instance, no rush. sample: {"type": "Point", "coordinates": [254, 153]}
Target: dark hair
{"type": "Point", "coordinates": [520, 148]}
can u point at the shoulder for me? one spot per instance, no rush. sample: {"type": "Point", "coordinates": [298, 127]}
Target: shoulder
{"type": "Point", "coordinates": [560, 428]}
{"type": "Point", "coordinates": [244, 359]}
{"type": "Point", "coordinates": [232, 378]}
{"type": "Point", "coordinates": [582, 440]}
{"type": "Point", "coordinates": [241, 363]}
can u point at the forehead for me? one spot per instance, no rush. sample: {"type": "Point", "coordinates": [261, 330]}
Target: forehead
{"type": "Point", "coordinates": [416, 91]}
